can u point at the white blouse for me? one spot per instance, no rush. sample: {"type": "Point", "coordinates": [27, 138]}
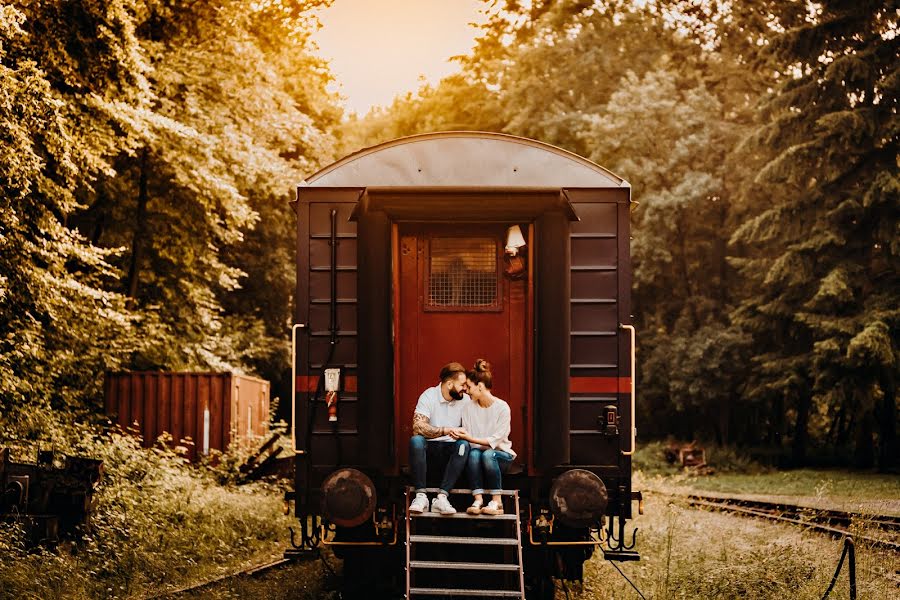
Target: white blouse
{"type": "Point", "coordinates": [491, 423]}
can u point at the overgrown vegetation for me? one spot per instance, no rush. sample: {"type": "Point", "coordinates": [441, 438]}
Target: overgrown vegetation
{"type": "Point", "coordinates": [650, 459]}
{"type": "Point", "coordinates": [688, 553]}
{"type": "Point", "coordinates": [158, 523]}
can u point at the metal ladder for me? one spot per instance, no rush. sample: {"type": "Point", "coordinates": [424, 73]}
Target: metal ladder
{"type": "Point", "coordinates": [463, 555]}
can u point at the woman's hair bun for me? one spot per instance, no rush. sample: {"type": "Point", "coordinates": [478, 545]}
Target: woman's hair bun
{"type": "Point", "coordinates": [482, 366]}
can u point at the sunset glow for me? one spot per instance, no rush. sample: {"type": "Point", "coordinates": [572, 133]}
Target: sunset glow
{"type": "Point", "coordinates": [379, 49]}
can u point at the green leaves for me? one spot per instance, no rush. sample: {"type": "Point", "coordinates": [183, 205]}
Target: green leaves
{"type": "Point", "coordinates": [140, 144]}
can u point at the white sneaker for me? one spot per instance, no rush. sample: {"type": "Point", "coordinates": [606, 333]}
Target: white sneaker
{"type": "Point", "coordinates": [442, 505]}
{"type": "Point", "coordinates": [419, 503]}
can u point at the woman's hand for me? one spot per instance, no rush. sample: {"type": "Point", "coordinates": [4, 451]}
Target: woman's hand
{"type": "Point", "coordinates": [458, 433]}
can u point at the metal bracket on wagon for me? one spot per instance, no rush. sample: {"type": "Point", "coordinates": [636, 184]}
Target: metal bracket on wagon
{"type": "Point", "coordinates": [384, 527]}
{"type": "Point", "coordinates": [544, 528]}
{"type": "Point", "coordinates": [619, 550]}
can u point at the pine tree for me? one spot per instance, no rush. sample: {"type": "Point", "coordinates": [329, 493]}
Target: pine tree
{"type": "Point", "coordinates": [823, 253]}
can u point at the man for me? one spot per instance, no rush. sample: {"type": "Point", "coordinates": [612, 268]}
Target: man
{"type": "Point", "coordinates": [436, 424]}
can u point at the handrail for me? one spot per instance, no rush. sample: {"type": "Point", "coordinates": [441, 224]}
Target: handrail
{"type": "Point", "coordinates": [294, 384]}
{"type": "Point", "coordinates": [633, 411]}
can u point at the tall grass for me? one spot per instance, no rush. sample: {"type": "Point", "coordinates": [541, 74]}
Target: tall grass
{"type": "Point", "coordinates": [157, 523]}
{"type": "Point", "coordinates": [693, 554]}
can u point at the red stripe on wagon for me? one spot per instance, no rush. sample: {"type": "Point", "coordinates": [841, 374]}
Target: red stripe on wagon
{"type": "Point", "coordinates": [309, 383]}
{"type": "Point", "coordinates": [577, 385]}
{"type": "Point", "coordinates": [600, 385]}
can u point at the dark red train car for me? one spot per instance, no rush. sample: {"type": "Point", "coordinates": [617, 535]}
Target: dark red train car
{"type": "Point", "coordinates": [401, 268]}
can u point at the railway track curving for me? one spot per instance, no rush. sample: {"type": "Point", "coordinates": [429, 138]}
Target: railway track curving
{"type": "Point", "coordinates": [881, 531]}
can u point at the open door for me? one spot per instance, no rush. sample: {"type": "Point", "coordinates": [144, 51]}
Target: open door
{"type": "Point", "coordinates": [455, 303]}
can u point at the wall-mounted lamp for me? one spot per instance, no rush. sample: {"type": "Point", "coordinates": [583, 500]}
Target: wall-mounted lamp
{"type": "Point", "coordinates": [514, 240]}
{"type": "Point", "coordinates": [515, 260]}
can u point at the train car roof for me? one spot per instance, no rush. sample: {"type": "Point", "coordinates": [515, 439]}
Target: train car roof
{"type": "Point", "coordinates": [464, 159]}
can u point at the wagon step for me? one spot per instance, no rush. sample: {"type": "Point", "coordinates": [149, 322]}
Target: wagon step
{"type": "Point", "coordinates": [456, 539]}
{"type": "Point", "coordinates": [463, 592]}
{"type": "Point", "coordinates": [464, 491]}
{"type": "Point", "coordinates": [434, 562]}
{"type": "Point", "coordinates": [462, 515]}
{"type": "Point", "coordinates": [474, 566]}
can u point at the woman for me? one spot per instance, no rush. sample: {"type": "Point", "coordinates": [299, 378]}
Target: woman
{"type": "Point", "coordinates": [486, 424]}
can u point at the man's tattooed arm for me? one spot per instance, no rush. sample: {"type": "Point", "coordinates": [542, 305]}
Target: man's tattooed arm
{"type": "Point", "coordinates": [422, 426]}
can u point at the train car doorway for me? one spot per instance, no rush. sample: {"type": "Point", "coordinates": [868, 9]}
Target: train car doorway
{"type": "Point", "coordinates": [455, 302]}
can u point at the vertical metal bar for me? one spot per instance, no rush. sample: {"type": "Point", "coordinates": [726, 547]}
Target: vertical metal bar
{"type": "Point", "coordinates": [294, 356]}
{"type": "Point", "coordinates": [630, 328]}
{"type": "Point", "coordinates": [852, 548]}
{"type": "Point", "coordinates": [333, 320]}
{"type": "Point", "coordinates": [518, 526]}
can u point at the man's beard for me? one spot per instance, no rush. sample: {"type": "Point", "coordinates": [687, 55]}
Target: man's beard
{"type": "Point", "coordinates": [456, 395]}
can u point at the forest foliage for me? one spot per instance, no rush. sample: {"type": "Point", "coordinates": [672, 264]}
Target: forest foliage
{"type": "Point", "coordinates": [148, 152]}
{"type": "Point", "coordinates": [148, 149]}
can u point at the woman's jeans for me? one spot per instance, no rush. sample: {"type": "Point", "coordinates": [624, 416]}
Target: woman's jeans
{"type": "Point", "coordinates": [423, 453]}
{"type": "Point", "coordinates": [485, 467]}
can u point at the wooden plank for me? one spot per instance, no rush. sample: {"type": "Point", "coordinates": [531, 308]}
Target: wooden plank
{"type": "Point", "coordinates": [164, 402]}
{"type": "Point", "coordinates": [137, 400]}
{"type": "Point", "coordinates": [150, 408]}
{"type": "Point", "coordinates": [178, 393]}
{"type": "Point", "coordinates": [190, 413]}
{"type": "Point", "coordinates": [216, 393]}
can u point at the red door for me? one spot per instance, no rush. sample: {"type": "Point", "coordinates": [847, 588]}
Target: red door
{"type": "Point", "coordinates": [456, 304]}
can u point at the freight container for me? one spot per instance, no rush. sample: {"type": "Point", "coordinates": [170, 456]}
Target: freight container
{"type": "Point", "coordinates": [210, 410]}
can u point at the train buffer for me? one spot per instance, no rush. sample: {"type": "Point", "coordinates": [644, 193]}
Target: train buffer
{"type": "Point", "coordinates": [463, 555]}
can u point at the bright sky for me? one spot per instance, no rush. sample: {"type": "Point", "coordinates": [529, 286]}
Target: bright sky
{"type": "Point", "coordinates": [381, 48]}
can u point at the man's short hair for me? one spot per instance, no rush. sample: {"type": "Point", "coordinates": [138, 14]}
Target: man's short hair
{"type": "Point", "coordinates": [451, 370]}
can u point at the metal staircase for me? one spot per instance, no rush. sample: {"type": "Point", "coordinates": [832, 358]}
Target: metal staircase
{"type": "Point", "coordinates": [463, 555]}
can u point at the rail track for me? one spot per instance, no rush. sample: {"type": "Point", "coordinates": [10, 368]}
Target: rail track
{"type": "Point", "coordinates": [252, 571]}
{"type": "Point", "coordinates": [881, 531]}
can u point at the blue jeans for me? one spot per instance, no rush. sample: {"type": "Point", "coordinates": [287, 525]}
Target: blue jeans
{"type": "Point", "coordinates": [422, 453]}
{"type": "Point", "coordinates": [487, 465]}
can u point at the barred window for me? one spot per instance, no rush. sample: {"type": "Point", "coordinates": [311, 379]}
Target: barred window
{"type": "Point", "coordinates": [462, 272]}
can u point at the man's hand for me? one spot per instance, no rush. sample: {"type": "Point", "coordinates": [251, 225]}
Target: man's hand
{"type": "Point", "coordinates": [457, 433]}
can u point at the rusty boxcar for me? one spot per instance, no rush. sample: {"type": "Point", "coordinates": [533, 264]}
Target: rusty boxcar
{"type": "Point", "coordinates": [401, 247]}
{"type": "Point", "coordinates": [211, 409]}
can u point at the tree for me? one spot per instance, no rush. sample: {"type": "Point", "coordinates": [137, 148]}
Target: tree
{"type": "Point", "coordinates": [142, 142]}
{"type": "Point", "coordinates": [60, 324]}
{"type": "Point", "coordinates": [822, 252]}
{"type": "Point", "coordinates": [231, 131]}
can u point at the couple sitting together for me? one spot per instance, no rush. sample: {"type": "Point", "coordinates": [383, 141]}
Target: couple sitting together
{"type": "Point", "coordinates": [460, 425]}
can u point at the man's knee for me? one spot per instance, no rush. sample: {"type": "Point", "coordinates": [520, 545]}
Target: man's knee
{"type": "Point", "coordinates": [417, 442]}
{"type": "Point", "coordinates": [462, 447]}
{"type": "Point", "coordinates": [475, 457]}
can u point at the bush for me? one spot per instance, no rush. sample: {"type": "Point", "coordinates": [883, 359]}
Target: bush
{"type": "Point", "coordinates": [650, 459]}
{"type": "Point", "coordinates": [157, 521]}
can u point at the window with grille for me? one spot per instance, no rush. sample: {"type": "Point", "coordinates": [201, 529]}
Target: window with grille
{"type": "Point", "coordinates": [462, 273]}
